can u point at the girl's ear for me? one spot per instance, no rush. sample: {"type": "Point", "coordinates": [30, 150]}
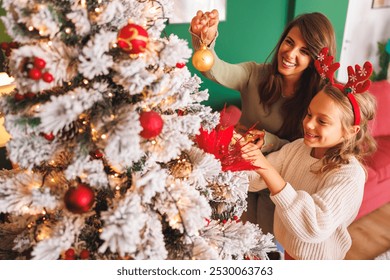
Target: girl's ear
{"type": "Point", "coordinates": [352, 131]}
{"type": "Point", "coordinates": [355, 129]}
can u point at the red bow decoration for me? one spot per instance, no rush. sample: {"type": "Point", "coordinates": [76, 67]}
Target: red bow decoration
{"type": "Point", "coordinates": [219, 142]}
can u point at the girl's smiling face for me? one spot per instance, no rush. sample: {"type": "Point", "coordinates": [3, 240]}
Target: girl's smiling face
{"type": "Point", "coordinates": [322, 124]}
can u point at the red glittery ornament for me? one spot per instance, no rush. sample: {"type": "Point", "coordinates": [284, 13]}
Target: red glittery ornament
{"type": "Point", "coordinates": [80, 199]}
{"type": "Point", "coordinates": [152, 124]}
{"type": "Point", "coordinates": [133, 38]}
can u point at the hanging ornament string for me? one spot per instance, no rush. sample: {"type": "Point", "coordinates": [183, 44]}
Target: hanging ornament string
{"type": "Point", "coordinates": [203, 58]}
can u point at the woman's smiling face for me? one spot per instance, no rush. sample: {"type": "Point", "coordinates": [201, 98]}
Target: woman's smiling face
{"type": "Point", "coordinates": [293, 55]}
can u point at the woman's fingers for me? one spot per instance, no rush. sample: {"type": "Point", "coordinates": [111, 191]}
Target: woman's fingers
{"type": "Point", "coordinates": [199, 13]}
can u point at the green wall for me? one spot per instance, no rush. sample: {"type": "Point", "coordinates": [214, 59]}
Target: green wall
{"type": "Point", "coordinates": [335, 10]}
{"type": "Point", "coordinates": [3, 35]}
{"type": "Point", "coordinates": [250, 32]}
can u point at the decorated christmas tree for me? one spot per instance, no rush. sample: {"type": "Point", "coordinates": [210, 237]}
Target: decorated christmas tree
{"type": "Point", "coordinates": [115, 155]}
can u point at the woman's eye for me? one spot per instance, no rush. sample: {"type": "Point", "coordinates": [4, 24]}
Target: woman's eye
{"type": "Point", "coordinates": [305, 52]}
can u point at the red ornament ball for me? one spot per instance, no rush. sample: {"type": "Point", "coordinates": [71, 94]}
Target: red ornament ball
{"type": "Point", "coordinates": [80, 199]}
{"type": "Point", "coordinates": [133, 38]}
{"type": "Point", "coordinates": [152, 124]}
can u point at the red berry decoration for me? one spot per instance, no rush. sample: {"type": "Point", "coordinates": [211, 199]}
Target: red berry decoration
{"type": "Point", "coordinates": [35, 73]}
{"type": "Point", "coordinates": [14, 45]}
{"type": "Point", "coordinates": [18, 96]}
{"type": "Point", "coordinates": [180, 65]}
{"type": "Point", "coordinates": [49, 136]}
{"type": "Point", "coordinates": [80, 199]}
{"type": "Point", "coordinates": [30, 95]}
{"type": "Point", "coordinates": [39, 63]}
{"type": "Point", "coordinates": [84, 254]}
{"type": "Point", "coordinates": [98, 154]}
{"type": "Point", "coordinates": [4, 46]}
{"type": "Point", "coordinates": [152, 124]}
{"type": "Point", "coordinates": [69, 254]}
{"type": "Point", "coordinates": [47, 77]}
{"type": "Point", "coordinates": [133, 38]}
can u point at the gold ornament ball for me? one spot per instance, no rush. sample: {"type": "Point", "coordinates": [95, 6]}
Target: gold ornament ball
{"type": "Point", "coordinates": [203, 59]}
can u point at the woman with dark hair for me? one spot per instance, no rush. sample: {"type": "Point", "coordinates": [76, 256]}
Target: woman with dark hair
{"type": "Point", "coordinates": [274, 95]}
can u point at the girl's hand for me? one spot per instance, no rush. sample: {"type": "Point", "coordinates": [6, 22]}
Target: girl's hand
{"type": "Point", "coordinates": [268, 173]}
{"type": "Point", "coordinates": [252, 153]}
{"type": "Point", "coordinates": [205, 25]}
{"type": "Point", "coordinates": [254, 135]}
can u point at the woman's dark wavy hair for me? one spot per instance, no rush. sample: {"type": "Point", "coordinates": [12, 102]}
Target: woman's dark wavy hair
{"type": "Point", "coordinates": [318, 32]}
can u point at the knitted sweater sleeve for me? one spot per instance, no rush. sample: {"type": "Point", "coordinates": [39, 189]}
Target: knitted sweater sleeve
{"type": "Point", "coordinates": [314, 217]}
{"type": "Point", "coordinates": [256, 183]}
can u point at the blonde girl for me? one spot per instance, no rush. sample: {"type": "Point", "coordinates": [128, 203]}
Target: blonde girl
{"type": "Point", "coordinates": [317, 182]}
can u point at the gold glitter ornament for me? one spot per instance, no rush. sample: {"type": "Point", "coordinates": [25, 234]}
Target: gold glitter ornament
{"type": "Point", "coordinates": [203, 59]}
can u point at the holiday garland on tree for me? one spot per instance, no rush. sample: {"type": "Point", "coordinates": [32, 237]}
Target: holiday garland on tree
{"type": "Point", "coordinates": [105, 122]}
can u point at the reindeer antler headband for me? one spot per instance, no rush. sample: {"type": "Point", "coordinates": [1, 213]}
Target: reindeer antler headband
{"type": "Point", "coordinates": [358, 79]}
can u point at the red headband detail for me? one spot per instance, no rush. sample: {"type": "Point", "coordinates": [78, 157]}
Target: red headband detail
{"type": "Point", "coordinates": [358, 79]}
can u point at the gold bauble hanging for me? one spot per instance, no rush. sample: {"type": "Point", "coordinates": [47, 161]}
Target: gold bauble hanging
{"type": "Point", "coordinates": [203, 59]}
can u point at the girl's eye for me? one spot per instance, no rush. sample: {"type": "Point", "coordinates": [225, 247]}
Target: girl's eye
{"type": "Point", "coordinates": [289, 42]}
{"type": "Point", "coordinates": [308, 115]}
{"type": "Point", "coordinates": [322, 122]}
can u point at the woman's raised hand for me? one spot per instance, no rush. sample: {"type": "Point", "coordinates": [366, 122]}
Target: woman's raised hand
{"type": "Point", "coordinates": [205, 25]}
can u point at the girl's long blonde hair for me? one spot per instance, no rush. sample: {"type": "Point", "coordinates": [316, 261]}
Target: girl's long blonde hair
{"type": "Point", "coordinates": [358, 145]}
